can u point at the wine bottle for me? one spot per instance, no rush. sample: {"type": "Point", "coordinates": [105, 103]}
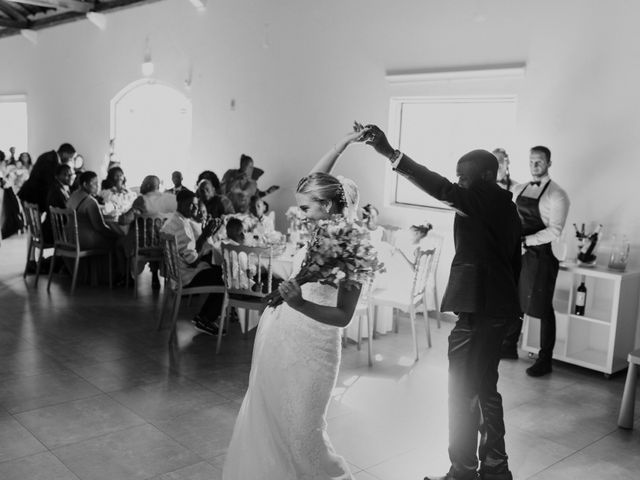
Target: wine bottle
{"type": "Point", "coordinates": [586, 252]}
{"type": "Point", "coordinates": [581, 298]}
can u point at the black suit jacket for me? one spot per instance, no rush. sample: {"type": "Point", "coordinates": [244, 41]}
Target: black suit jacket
{"type": "Point", "coordinates": [486, 266]}
{"type": "Point", "coordinates": [42, 176]}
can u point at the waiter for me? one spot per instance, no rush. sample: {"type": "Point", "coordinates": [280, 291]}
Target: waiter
{"type": "Point", "coordinates": [543, 207]}
{"type": "Point", "coordinates": [482, 290]}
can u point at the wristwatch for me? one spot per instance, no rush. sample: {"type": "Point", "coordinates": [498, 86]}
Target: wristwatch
{"type": "Point", "coordinates": [397, 154]}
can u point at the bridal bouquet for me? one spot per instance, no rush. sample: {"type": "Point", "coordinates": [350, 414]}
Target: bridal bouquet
{"type": "Point", "coordinates": [339, 253]}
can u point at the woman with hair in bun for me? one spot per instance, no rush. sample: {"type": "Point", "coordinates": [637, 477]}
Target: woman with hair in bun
{"type": "Point", "coordinates": [280, 432]}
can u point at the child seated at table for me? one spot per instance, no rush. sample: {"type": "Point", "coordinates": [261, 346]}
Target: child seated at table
{"type": "Point", "coordinates": [235, 231]}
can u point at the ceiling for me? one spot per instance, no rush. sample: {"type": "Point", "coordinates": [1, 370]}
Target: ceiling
{"type": "Point", "coordinates": [19, 15]}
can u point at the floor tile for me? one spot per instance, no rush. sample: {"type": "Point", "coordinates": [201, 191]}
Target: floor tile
{"type": "Point", "coordinates": [199, 471]}
{"type": "Point", "coordinates": [42, 466]}
{"type": "Point", "coordinates": [16, 441]}
{"type": "Point", "coordinates": [137, 453]}
{"type": "Point", "coordinates": [78, 420]}
{"type": "Point", "coordinates": [168, 399]}
{"type": "Point", "coordinates": [206, 431]}
{"type": "Point", "coordinates": [28, 393]}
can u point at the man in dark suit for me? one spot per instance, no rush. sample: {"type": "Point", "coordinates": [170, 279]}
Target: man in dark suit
{"type": "Point", "coordinates": [483, 292]}
{"type": "Point", "coordinates": [36, 188]}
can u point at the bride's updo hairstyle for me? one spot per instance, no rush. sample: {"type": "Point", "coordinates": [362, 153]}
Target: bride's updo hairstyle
{"type": "Point", "coordinates": [322, 187]}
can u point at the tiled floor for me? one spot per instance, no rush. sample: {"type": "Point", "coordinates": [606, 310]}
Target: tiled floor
{"type": "Point", "coordinates": [89, 390]}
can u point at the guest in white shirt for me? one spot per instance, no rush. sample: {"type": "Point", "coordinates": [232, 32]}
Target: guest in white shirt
{"type": "Point", "coordinates": [194, 246]}
{"type": "Point", "coordinates": [543, 207]}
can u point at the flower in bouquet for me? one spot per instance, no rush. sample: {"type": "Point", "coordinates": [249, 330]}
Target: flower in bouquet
{"type": "Point", "coordinates": [340, 253]}
{"type": "Point", "coordinates": [294, 213]}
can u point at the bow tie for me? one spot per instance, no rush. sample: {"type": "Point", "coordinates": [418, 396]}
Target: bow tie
{"type": "Point", "coordinates": [535, 183]}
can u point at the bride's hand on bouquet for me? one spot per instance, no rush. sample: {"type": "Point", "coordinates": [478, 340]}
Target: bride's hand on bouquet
{"type": "Point", "coordinates": [291, 293]}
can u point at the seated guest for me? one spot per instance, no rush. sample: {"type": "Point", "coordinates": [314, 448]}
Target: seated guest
{"type": "Point", "coordinates": [78, 169]}
{"type": "Point", "coordinates": [235, 231]}
{"type": "Point", "coordinates": [216, 205]}
{"type": "Point", "coordinates": [93, 232]}
{"type": "Point", "coordinates": [151, 201]}
{"type": "Point", "coordinates": [242, 184]}
{"type": "Point", "coordinates": [261, 220]}
{"type": "Point", "coordinates": [371, 221]}
{"type": "Point", "coordinates": [176, 178]}
{"type": "Point", "coordinates": [58, 196]}
{"type": "Point", "coordinates": [194, 245]}
{"type": "Point", "coordinates": [114, 191]}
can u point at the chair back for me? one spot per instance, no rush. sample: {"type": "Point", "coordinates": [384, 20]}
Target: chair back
{"type": "Point", "coordinates": [242, 270]}
{"type": "Point", "coordinates": [147, 233]}
{"type": "Point", "coordinates": [170, 258]}
{"type": "Point", "coordinates": [64, 223]}
{"type": "Point", "coordinates": [34, 222]}
{"type": "Point", "coordinates": [421, 272]}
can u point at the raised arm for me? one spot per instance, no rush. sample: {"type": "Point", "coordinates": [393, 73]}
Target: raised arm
{"type": "Point", "coordinates": [328, 161]}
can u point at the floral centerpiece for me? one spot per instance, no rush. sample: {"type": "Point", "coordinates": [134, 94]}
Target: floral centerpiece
{"type": "Point", "coordinates": [340, 252]}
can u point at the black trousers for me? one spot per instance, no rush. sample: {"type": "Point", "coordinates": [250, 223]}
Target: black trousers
{"type": "Point", "coordinates": [213, 304]}
{"type": "Point", "coordinates": [474, 402]}
{"type": "Point", "coordinates": [547, 334]}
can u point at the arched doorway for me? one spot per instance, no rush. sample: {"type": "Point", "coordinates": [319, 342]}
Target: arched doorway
{"type": "Point", "coordinates": [151, 130]}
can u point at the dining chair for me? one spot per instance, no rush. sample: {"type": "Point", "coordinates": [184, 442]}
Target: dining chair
{"type": "Point", "coordinates": [173, 282]}
{"type": "Point", "coordinates": [147, 246]}
{"type": "Point", "coordinates": [33, 218]}
{"type": "Point", "coordinates": [416, 297]}
{"type": "Point", "coordinates": [248, 275]}
{"type": "Point", "coordinates": [66, 243]}
{"type": "Point", "coordinates": [361, 314]}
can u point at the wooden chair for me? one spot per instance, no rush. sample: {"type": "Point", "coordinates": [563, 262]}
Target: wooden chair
{"type": "Point", "coordinates": [627, 405]}
{"type": "Point", "coordinates": [33, 218]}
{"type": "Point", "coordinates": [173, 282]}
{"type": "Point", "coordinates": [246, 283]}
{"type": "Point", "coordinates": [148, 247]}
{"type": "Point", "coordinates": [362, 313]}
{"type": "Point", "coordinates": [434, 241]}
{"type": "Point", "coordinates": [422, 266]}
{"type": "Point", "coordinates": [66, 242]}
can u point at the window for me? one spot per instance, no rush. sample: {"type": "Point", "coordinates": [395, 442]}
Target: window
{"type": "Point", "coordinates": [438, 129]}
{"type": "Point", "coordinates": [151, 131]}
{"type": "Point", "coordinates": [13, 123]}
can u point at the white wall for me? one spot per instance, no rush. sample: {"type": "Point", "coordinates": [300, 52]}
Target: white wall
{"type": "Point", "coordinates": [325, 67]}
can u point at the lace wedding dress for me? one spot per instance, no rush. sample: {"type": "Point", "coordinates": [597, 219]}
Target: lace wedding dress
{"type": "Point", "coordinates": [280, 432]}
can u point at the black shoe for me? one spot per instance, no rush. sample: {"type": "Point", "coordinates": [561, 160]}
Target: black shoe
{"type": "Point", "coordinates": [209, 328]}
{"type": "Point", "coordinates": [509, 353]}
{"type": "Point", "coordinates": [496, 476]}
{"type": "Point", "coordinates": [540, 368]}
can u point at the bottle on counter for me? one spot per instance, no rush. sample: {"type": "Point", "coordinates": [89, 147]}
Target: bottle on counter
{"type": "Point", "coordinates": [586, 252]}
{"type": "Point", "coordinates": [581, 298]}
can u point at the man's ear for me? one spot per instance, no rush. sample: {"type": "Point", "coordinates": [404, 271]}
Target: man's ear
{"type": "Point", "coordinates": [489, 176]}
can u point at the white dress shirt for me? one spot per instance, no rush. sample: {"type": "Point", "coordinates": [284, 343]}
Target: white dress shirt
{"type": "Point", "coordinates": [186, 232]}
{"type": "Point", "coordinates": [554, 208]}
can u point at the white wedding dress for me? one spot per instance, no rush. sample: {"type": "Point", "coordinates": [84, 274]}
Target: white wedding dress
{"type": "Point", "coordinates": [280, 432]}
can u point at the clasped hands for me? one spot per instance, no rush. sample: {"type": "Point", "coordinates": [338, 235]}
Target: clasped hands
{"type": "Point", "coordinates": [291, 293]}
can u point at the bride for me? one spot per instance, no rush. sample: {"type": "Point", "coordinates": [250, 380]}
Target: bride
{"type": "Point", "coordinates": [280, 432]}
